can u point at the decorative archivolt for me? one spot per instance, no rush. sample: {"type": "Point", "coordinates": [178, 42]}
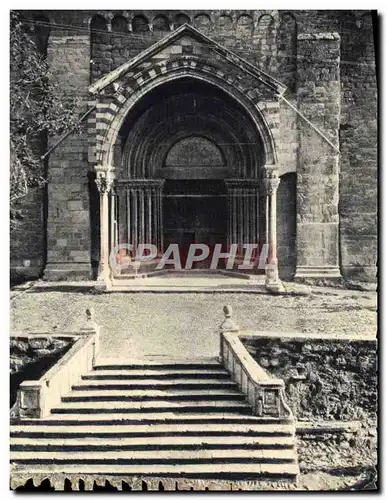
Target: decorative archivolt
{"type": "Point", "coordinates": [112, 112]}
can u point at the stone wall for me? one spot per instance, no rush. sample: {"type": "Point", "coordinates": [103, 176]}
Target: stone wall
{"type": "Point", "coordinates": [341, 376]}
{"type": "Point", "coordinates": [118, 37]}
{"type": "Point", "coordinates": [68, 225]}
{"type": "Point", "coordinates": [27, 242]}
{"type": "Point", "coordinates": [358, 145]}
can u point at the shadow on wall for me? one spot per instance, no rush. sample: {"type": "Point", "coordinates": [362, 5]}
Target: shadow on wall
{"type": "Point", "coordinates": [286, 226]}
{"type": "Point", "coordinates": [94, 224]}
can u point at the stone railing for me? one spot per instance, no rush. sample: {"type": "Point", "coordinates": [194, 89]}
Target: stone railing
{"type": "Point", "coordinates": [36, 398]}
{"type": "Point", "coordinates": [265, 394]}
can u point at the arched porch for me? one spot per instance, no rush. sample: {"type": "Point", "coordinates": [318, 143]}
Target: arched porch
{"type": "Point", "coordinates": [187, 133]}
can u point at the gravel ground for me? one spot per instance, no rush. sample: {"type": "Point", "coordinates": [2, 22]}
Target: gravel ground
{"type": "Point", "coordinates": [185, 324]}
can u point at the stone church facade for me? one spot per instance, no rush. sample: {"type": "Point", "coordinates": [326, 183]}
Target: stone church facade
{"type": "Point", "coordinates": [209, 127]}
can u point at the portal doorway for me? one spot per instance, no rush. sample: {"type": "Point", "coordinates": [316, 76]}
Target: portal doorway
{"type": "Point", "coordinates": [188, 172]}
{"type": "Point", "coordinates": [195, 211]}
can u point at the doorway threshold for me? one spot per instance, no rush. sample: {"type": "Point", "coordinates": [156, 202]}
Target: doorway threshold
{"type": "Point", "coordinates": [194, 280]}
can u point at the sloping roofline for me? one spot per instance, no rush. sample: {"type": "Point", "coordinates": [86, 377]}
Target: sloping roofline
{"type": "Point", "coordinates": [249, 68]}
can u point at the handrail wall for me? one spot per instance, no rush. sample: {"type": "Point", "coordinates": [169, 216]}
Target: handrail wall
{"type": "Point", "coordinates": [36, 398]}
{"type": "Point", "coordinates": [265, 394]}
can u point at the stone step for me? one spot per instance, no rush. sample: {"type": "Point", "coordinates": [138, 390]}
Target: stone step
{"type": "Point", "coordinates": [186, 383]}
{"type": "Point", "coordinates": [181, 365]}
{"type": "Point", "coordinates": [63, 430]}
{"type": "Point", "coordinates": [117, 418]}
{"type": "Point", "coordinates": [227, 471]}
{"type": "Point", "coordinates": [152, 395]}
{"type": "Point", "coordinates": [243, 286]}
{"type": "Point", "coordinates": [152, 407]}
{"type": "Point", "coordinates": [155, 374]}
{"type": "Point", "coordinates": [91, 443]}
{"type": "Point", "coordinates": [162, 457]}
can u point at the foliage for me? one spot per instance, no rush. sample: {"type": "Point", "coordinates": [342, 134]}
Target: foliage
{"type": "Point", "coordinates": [37, 110]}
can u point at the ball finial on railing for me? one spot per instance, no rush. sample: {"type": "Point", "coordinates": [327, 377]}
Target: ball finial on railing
{"type": "Point", "coordinates": [90, 314]}
{"type": "Point", "coordinates": [227, 311]}
{"type": "Point", "coordinates": [89, 325]}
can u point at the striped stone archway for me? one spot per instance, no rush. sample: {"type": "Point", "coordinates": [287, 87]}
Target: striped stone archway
{"type": "Point", "coordinates": [111, 111]}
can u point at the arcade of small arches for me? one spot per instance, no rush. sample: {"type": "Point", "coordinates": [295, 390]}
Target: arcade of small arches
{"type": "Point", "coordinates": [140, 23]}
{"type": "Point", "coordinates": [188, 165]}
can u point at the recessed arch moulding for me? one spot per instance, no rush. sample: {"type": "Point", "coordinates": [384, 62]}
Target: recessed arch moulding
{"type": "Point", "coordinates": [247, 131]}
{"type": "Point", "coordinates": [205, 118]}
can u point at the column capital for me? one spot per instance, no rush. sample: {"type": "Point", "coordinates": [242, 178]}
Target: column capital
{"type": "Point", "coordinates": [271, 185]}
{"type": "Point", "coordinates": [104, 184]}
{"type": "Point", "coordinates": [270, 179]}
{"type": "Point", "coordinates": [104, 178]}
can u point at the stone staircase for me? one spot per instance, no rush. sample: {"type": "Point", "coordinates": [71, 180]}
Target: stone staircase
{"type": "Point", "coordinates": [171, 419]}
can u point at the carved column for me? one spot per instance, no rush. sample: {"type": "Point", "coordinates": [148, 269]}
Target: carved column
{"type": "Point", "coordinates": [143, 211]}
{"type": "Point", "coordinates": [149, 215]}
{"type": "Point", "coordinates": [113, 218]}
{"type": "Point", "coordinates": [271, 182]}
{"type": "Point", "coordinates": [160, 222]}
{"type": "Point", "coordinates": [134, 198]}
{"type": "Point", "coordinates": [104, 181]}
{"type": "Point", "coordinates": [141, 194]}
{"type": "Point", "coordinates": [234, 237]}
{"type": "Point", "coordinates": [155, 227]}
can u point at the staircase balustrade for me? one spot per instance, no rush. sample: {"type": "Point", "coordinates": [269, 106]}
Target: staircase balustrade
{"type": "Point", "coordinates": [36, 398]}
{"type": "Point", "coordinates": [265, 394]}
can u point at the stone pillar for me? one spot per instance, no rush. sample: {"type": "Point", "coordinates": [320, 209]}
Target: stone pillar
{"type": "Point", "coordinates": [271, 182]}
{"type": "Point", "coordinates": [160, 217]}
{"type": "Point", "coordinates": [104, 182]}
{"type": "Point", "coordinates": [234, 235]}
{"type": "Point", "coordinates": [141, 237]}
{"type": "Point", "coordinates": [134, 195]}
{"type": "Point", "coordinates": [113, 219]}
{"type": "Point", "coordinates": [155, 231]}
{"type": "Point", "coordinates": [318, 99]}
{"type": "Point", "coordinates": [149, 215]}
{"type": "Point", "coordinates": [68, 217]}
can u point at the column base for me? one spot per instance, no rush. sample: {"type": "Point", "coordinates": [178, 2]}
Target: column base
{"type": "Point", "coordinates": [317, 272]}
{"type": "Point", "coordinates": [272, 282]}
{"type": "Point", "coordinates": [104, 280]}
{"type": "Point", "coordinates": [64, 271]}
{"type": "Point", "coordinates": [100, 286]}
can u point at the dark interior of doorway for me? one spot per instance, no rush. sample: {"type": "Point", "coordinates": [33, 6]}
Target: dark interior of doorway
{"type": "Point", "coordinates": [195, 211]}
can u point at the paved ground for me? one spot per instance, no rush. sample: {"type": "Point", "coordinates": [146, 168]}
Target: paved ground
{"type": "Point", "coordinates": [179, 325]}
